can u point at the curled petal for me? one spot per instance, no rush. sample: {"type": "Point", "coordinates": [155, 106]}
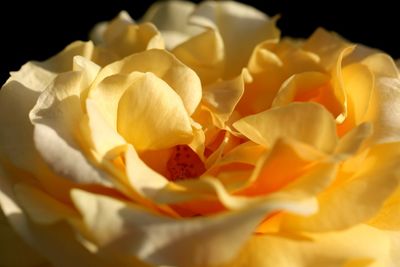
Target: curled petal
{"type": "Point", "coordinates": [238, 24]}
{"type": "Point", "coordinates": [306, 122]}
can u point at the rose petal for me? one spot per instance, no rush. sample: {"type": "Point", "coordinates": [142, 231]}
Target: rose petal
{"type": "Point", "coordinates": [124, 37]}
{"type": "Point", "coordinates": [16, 132]}
{"type": "Point", "coordinates": [55, 242]}
{"type": "Point", "coordinates": [41, 208]}
{"type": "Point", "coordinates": [279, 61]}
{"type": "Point", "coordinates": [327, 46]}
{"type": "Point", "coordinates": [158, 119]}
{"type": "Point", "coordinates": [54, 117]}
{"type": "Point", "coordinates": [130, 230]}
{"type": "Point", "coordinates": [351, 142]}
{"type": "Point", "coordinates": [222, 97]}
{"type": "Point", "coordinates": [165, 66]}
{"type": "Point", "coordinates": [142, 178]}
{"type": "Point", "coordinates": [271, 173]}
{"type": "Point", "coordinates": [175, 29]}
{"type": "Point", "coordinates": [238, 24]}
{"type": "Point", "coordinates": [306, 122]}
{"type": "Point", "coordinates": [204, 53]}
{"type": "Point", "coordinates": [333, 249]}
{"type": "Point", "coordinates": [388, 216]}
{"type": "Point", "coordinates": [385, 111]}
{"type": "Point", "coordinates": [101, 135]}
{"type": "Point", "coordinates": [355, 199]}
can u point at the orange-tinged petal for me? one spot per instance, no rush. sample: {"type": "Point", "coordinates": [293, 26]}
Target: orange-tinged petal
{"type": "Point", "coordinates": [278, 61]}
{"type": "Point", "coordinates": [333, 249]}
{"type": "Point", "coordinates": [305, 122]}
{"type": "Point", "coordinates": [388, 217]}
{"type": "Point", "coordinates": [130, 230]}
{"type": "Point", "coordinates": [357, 198]}
{"type": "Point", "coordinates": [271, 173]}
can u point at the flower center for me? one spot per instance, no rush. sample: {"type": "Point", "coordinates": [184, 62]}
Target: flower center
{"type": "Point", "coordinates": [184, 163]}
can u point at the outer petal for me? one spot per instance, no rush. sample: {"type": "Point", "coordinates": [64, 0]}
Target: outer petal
{"type": "Point", "coordinates": [306, 122]}
{"type": "Point", "coordinates": [55, 117]}
{"type": "Point", "coordinates": [174, 28]}
{"type": "Point", "coordinates": [123, 37]}
{"type": "Point", "coordinates": [360, 246]}
{"type": "Point", "coordinates": [164, 65]}
{"type": "Point", "coordinates": [132, 231]}
{"type": "Point", "coordinates": [384, 110]}
{"type": "Point", "coordinates": [238, 24]}
{"type": "Point", "coordinates": [54, 243]}
{"type": "Point", "coordinates": [16, 130]}
{"type": "Point", "coordinates": [358, 198]}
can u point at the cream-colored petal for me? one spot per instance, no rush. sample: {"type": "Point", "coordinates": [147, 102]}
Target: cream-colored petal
{"type": "Point", "coordinates": [101, 135]}
{"type": "Point", "coordinates": [12, 247]}
{"type": "Point", "coordinates": [356, 199]}
{"type": "Point", "coordinates": [164, 65]}
{"type": "Point", "coordinates": [174, 28]}
{"type": "Point", "coordinates": [203, 241]}
{"type": "Point", "coordinates": [152, 116]}
{"type": "Point", "coordinates": [63, 61]}
{"type": "Point", "coordinates": [327, 45]}
{"type": "Point", "coordinates": [16, 130]}
{"type": "Point", "coordinates": [124, 37]}
{"type": "Point", "coordinates": [222, 97]}
{"type": "Point", "coordinates": [56, 243]}
{"type": "Point", "coordinates": [41, 208]}
{"type": "Point", "coordinates": [384, 111]}
{"type": "Point", "coordinates": [360, 246]}
{"type": "Point", "coordinates": [142, 178]}
{"type": "Point", "coordinates": [382, 65]}
{"type": "Point", "coordinates": [306, 122]}
{"type": "Point", "coordinates": [204, 53]}
{"type": "Point", "coordinates": [242, 27]}
{"type": "Point", "coordinates": [55, 117]}
{"type": "Point", "coordinates": [97, 33]}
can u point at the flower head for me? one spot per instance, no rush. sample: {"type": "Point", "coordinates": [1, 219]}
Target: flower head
{"type": "Point", "coordinates": [199, 137]}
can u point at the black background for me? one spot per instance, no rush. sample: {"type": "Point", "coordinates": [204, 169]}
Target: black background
{"type": "Point", "coordinates": [35, 30]}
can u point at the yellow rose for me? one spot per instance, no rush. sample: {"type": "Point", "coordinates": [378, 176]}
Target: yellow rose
{"type": "Point", "coordinates": [198, 137]}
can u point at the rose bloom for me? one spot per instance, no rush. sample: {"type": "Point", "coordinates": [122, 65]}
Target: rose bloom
{"type": "Point", "coordinates": [198, 137]}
